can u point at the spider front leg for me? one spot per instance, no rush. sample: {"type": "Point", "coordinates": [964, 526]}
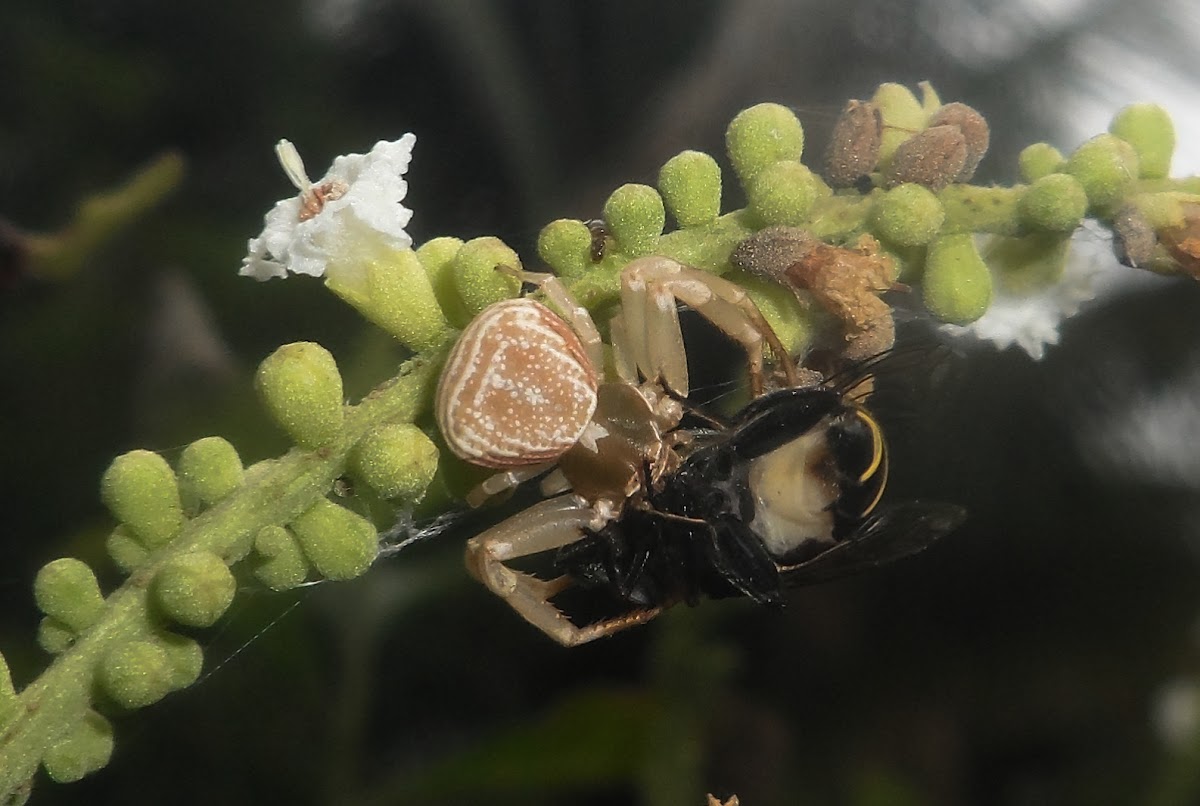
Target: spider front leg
{"type": "Point", "coordinates": [546, 526]}
{"type": "Point", "coordinates": [648, 329]}
{"type": "Point", "coordinates": [571, 311]}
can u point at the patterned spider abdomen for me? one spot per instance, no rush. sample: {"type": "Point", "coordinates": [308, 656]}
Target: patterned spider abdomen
{"type": "Point", "coordinates": [518, 387]}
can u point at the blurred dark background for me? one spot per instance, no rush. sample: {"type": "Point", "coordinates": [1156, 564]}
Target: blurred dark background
{"type": "Point", "coordinates": [1044, 654]}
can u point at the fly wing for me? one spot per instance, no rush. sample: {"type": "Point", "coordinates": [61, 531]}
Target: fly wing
{"type": "Point", "coordinates": [890, 534]}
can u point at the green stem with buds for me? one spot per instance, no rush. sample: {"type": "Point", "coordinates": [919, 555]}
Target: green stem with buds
{"type": "Point", "coordinates": [276, 491]}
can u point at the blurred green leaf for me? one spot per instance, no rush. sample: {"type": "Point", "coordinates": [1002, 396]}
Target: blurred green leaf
{"type": "Point", "coordinates": [591, 739]}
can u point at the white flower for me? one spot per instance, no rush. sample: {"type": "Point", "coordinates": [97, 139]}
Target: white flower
{"type": "Point", "coordinates": [354, 207]}
{"type": "Point", "coordinates": [1032, 321]}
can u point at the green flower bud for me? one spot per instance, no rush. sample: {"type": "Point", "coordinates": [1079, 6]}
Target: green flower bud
{"type": "Point", "coordinates": [930, 102]}
{"type": "Point", "coordinates": [1180, 241]}
{"type": "Point", "coordinates": [1105, 166]}
{"type": "Point", "coordinates": [210, 469]}
{"type": "Point", "coordinates": [281, 564]}
{"type": "Point", "coordinates": [125, 550]}
{"type": "Point", "coordinates": [1148, 128]}
{"type": "Point", "coordinates": [136, 673]}
{"type": "Point", "coordinates": [338, 543]}
{"type": "Point", "coordinates": [437, 258]}
{"type": "Point", "coordinates": [475, 275]}
{"type": "Point", "coordinates": [1165, 209]}
{"type": "Point", "coordinates": [957, 286]}
{"type": "Point", "coordinates": [398, 460]}
{"type": "Point", "coordinates": [900, 107]}
{"type": "Point", "coordinates": [902, 114]}
{"type": "Point", "coordinates": [55, 637]}
{"type": "Point", "coordinates": [67, 590]}
{"type": "Point", "coordinates": [779, 307]}
{"type": "Point", "coordinates": [763, 135]}
{"type": "Point", "coordinates": [1055, 203]}
{"type": "Point", "coordinates": [1038, 160]}
{"type": "Point", "coordinates": [185, 657]}
{"type": "Point", "coordinates": [141, 491]}
{"type": "Point", "coordinates": [232, 547]}
{"type": "Point", "coordinates": [393, 291]}
{"type": "Point", "coordinates": [86, 748]}
{"type": "Point", "coordinates": [690, 183]}
{"type": "Point", "coordinates": [302, 390]}
{"type": "Point", "coordinates": [566, 246]}
{"type": "Point", "coordinates": [194, 589]}
{"type": "Point", "coordinates": [907, 215]}
{"type": "Point", "coordinates": [1028, 264]}
{"type": "Point", "coordinates": [635, 217]}
{"type": "Point", "coordinates": [8, 694]}
{"type": "Point", "coordinates": [910, 263]}
{"type": "Point", "coordinates": [782, 193]}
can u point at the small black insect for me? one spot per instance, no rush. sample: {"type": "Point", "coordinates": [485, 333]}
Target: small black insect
{"type": "Point", "coordinates": [787, 494]}
{"type": "Point", "coordinates": [599, 232]}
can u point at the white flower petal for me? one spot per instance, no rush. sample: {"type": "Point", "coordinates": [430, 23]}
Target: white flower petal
{"type": "Point", "coordinates": [358, 210]}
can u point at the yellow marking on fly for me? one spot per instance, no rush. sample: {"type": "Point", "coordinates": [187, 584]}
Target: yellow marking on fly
{"type": "Point", "coordinates": [876, 446]}
{"type": "Point", "coordinates": [879, 465]}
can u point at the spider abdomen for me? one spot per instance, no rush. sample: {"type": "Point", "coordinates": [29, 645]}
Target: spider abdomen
{"type": "Point", "coordinates": [518, 388]}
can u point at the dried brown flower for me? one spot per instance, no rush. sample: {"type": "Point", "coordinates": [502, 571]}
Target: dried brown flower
{"type": "Point", "coordinates": [846, 282]}
{"type": "Point", "coordinates": [933, 158]}
{"type": "Point", "coordinates": [854, 146]}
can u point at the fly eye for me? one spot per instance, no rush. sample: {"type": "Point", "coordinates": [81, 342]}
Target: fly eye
{"type": "Point", "coordinates": [856, 443]}
{"type": "Point", "coordinates": [860, 455]}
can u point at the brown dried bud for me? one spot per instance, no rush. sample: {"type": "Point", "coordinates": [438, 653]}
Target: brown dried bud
{"type": "Point", "coordinates": [1133, 237]}
{"type": "Point", "coordinates": [845, 282]}
{"type": "Point", "coordinates": [854, 147]}
{"type": "Point", "coordinates": [933, 158]}
{"type": "Point", "coordinates": [769, 252]}
{"type": "Point", "coordinates": [974, 130]}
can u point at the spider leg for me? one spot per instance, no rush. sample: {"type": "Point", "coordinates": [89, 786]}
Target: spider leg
{"type": "Point", "coordinates": [548, 525]}
{"type": "Point", "coordinates": [651, 323]}
{"type": "Point", "coordinates": [651, 287]}
{"type": "Point", "coordinates": [571, 312]}
{"type": "Point", "coordinates": [503, 482]}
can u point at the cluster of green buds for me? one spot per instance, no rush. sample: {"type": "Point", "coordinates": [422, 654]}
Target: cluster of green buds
{"type": "Point", "coordinates": [890, 208]}
{"type": "Point", "coordinates": [894, 187]}
{"type": "Point", "coordinates": [181, 529]}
